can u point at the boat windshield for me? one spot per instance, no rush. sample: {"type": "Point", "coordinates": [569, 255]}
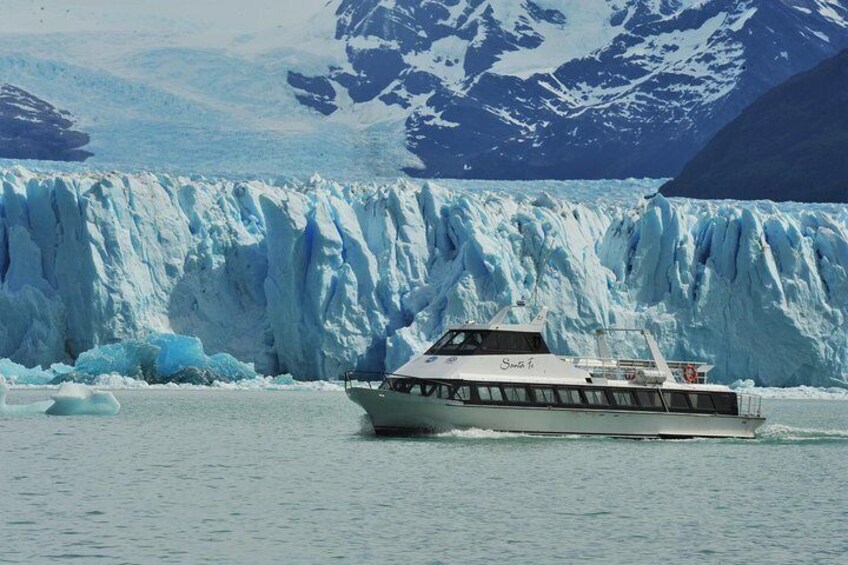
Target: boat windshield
{"type": "Point", "coordinates": [489, 342]}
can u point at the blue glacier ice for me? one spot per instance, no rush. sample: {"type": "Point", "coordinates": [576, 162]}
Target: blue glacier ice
{"type": "Point", "coordinates": [129, 358]}
{"type": "Point", "coordinates": [18, 374]}
{"type": "Point", "coordinates": [161, 357]}
{"type": "Point", "coordinates": [314, 278]}
{"type": "Point", "coordinates": [178, 353]}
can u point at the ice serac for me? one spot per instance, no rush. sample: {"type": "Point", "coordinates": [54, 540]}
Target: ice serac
{"type": "Point", "coordinates": [318, 277]}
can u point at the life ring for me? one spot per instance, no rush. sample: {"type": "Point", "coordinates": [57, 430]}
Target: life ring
{"type": "Point", "coordinates": [690, 374]}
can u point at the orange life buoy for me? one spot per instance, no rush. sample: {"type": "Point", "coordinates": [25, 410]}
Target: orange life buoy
{"type": "Point", "coordinates": [690, 374]}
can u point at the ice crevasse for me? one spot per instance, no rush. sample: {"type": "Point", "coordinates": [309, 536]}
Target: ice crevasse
{"type": "Point", "coordinates": [316, 278]}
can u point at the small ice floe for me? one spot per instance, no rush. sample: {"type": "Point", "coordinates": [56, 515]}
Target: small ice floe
{"type": "Point", "coordinates": [34, 408]}
{"type": "Point", "coordinates": [74, 399]}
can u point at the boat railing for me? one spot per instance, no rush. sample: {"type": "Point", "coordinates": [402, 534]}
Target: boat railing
{"type": "Point", "coordinates": [359, 378]}
{"type": "Point", "coordinates": [362, 379]}
{"type": "Point", "coordinates": [368, 378]}
{"type": "Point", "coordinates": [627, 369]}
{"type": "Point", "coordinates": [749, 404]}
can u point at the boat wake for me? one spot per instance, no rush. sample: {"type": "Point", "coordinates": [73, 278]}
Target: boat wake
{"type": "Point", "coordinates": [782, 432]}
{"type": "Point", "coordinates": [771, 433]}
{"type": "Point", "coordinates": [477, 433]}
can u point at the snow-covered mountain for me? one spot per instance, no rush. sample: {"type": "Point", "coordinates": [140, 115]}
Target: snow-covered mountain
{"type": "Point", "coordinates": [459, 88]}
{"type": "Point", "coordinates": [586, 89]}
{"type": "Point", "coordinates": [316, 278]}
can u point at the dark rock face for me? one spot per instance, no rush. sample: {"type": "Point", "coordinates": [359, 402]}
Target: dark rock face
{"type": "Point", "coordinates": [791, 144]}
{"type": "Point", "coordinates": [671, 75]}
{"type": "Point", "coordinates": [31, 128]}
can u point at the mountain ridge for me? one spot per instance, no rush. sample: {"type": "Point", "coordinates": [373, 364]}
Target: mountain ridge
{"type": "Point", "coordinates": [31, 128]}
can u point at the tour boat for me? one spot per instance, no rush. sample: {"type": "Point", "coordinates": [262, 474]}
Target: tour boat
{"type": "Point", "coordinates": [502, 376]}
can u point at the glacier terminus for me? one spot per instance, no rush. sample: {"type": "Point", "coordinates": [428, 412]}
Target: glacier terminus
{"type": "Point", "coordinates": [315, 278]}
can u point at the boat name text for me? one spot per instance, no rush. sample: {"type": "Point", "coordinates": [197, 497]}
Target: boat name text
{"type": "Point", "coordinates": [508, 364]}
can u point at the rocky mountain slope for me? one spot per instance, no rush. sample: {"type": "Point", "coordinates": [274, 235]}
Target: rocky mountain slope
{"type": "Point", "coordinates": [31, 128]}
{"type": "Point", "coordinates": [790, 144]}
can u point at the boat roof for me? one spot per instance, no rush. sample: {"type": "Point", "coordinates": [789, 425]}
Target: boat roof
{"type": "Point", "coordinates": [536, 325]}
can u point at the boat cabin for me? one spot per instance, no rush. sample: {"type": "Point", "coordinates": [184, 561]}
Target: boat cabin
{"type": "Point", "coordinates": [489, 342]}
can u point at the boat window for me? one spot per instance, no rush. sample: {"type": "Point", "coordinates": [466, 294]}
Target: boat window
{"type": "Point", "coordinates": [416, 389]}
{"type": "Point", "coordinates": [462, 393]}
{"type": "Point", "coordinates": [458, 342]}
{"type": "Point", "coordinates": [569, 396]}
{"type": "Point", "coordinates": [701, 402]}
{"type": "Point", "coordinates": [514, 343]}
{"type": "Point", "coordinates": [596, 396]}
{"type": "Point", "coordinates": [649, 399]}
{"type": "Point", "coordinates": [450, 343]}
{"type": "Point", "coordinates": [486, 342]}
{"type": "Point", "coordinates": [515, 393]}
{"type": "Point", "coordinates": [400, 385]}
{"type": "Point", "coordinates": [489, 393]}
{"type": "Point", "coordinates": [455, 342]}
{"type": "Point", "coordinates": [439, 391]}
{"type": "Point", "coordinates": [676, 401]}
{"type": "Point", "coordinates": [624, 398]}
{"type": "Point", "coordinates": [441, 343]}
{"type": "Point", "coordinates": [725, 403]}
{"type": "Point", "coordinates": [537, 344]}
{"type": "Point", "coordinates": [543, 395]}
{"type": "Point", "coordinates": [471, 344]}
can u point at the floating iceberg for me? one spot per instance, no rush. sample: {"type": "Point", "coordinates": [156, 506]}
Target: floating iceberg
{"type": "Point", "coordinates": [74, 399]}
{"type": "Point", "coordinates": [161, 358]}
{"type": "Point", "coordinates": [316, 278]}
{"type": "Point", "coordinates": [17, 409]}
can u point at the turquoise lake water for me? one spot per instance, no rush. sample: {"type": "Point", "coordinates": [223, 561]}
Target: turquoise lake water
{"type": "Point", "coordinates": [282, 477]}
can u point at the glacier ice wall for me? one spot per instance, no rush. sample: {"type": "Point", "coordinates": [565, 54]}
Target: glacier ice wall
{"type": "Point", "coordinates": [316, 278]}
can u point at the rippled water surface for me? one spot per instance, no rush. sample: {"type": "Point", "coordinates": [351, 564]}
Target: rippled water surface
{"type": "Point", "coordinates": [217, 476]}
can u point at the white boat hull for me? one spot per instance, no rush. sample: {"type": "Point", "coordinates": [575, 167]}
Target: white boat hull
{"type": "Point", "coordinates": [396, 413]}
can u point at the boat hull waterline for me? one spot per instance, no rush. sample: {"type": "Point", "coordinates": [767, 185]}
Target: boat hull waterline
{"type": "Point", "coordinates": [393, 413]}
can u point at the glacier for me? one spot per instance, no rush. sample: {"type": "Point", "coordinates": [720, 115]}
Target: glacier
{"type": "Point", "coordinates": [316, 277]}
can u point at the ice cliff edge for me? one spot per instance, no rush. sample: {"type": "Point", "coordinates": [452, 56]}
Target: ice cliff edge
{"type": "Point", "coordinates": [317, 278]}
